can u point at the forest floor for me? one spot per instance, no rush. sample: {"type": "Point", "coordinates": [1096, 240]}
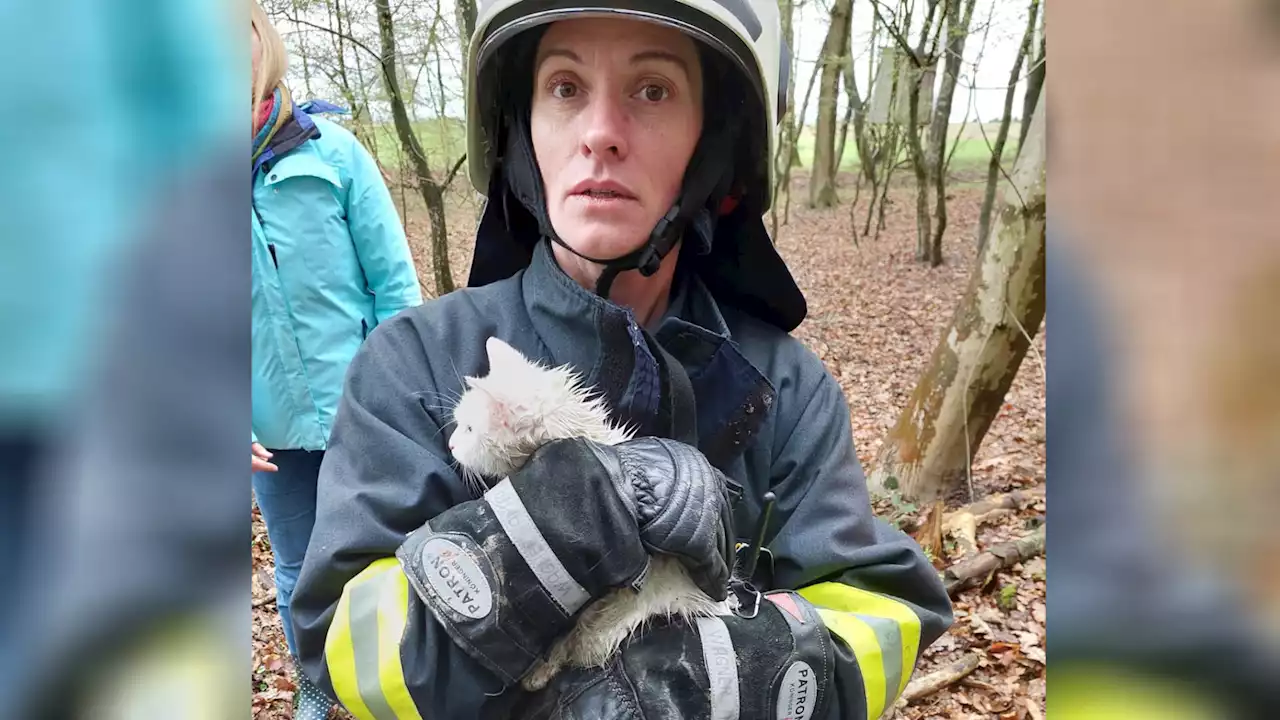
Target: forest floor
{"type": "Point", "coordinates": [874, 318]}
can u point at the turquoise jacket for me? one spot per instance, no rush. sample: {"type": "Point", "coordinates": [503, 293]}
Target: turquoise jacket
{"type": "Point", "coordinates": [330, 262]}
{"type": "Point", "coordinates": [130, 102]}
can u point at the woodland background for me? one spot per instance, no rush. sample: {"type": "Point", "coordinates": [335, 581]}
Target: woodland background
{"type": "Point", "coordinates": [913, 217]}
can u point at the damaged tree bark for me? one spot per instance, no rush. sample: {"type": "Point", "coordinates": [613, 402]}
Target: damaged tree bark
{"type": "Point", "coordinates": [930, 448]}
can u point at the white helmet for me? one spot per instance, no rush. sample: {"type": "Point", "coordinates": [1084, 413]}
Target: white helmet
{"type": "Point", "coordinates": [748, 32]}
{"type": "Point", "coordinates": [727, 186]}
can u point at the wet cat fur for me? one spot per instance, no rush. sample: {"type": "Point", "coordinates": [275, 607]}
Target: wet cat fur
{"type": "Point", "coordinates": [500, 420]}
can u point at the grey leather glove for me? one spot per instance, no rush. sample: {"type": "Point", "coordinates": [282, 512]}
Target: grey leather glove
{"type": "Point", "coordinates": [507, 574]}
{"type": "Point", "coordinates": [682, 507]}
{"type": "Point", "coordinates": [774, 663]}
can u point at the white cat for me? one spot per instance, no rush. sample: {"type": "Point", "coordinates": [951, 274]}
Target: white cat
{"type": "Point", "coordinates": [501, 419]}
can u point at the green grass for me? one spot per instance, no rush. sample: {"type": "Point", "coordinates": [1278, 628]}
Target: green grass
{"type": "Point", "coordinates": [445, 140]}
{"type": "Point", "coordinates": [971, 150]}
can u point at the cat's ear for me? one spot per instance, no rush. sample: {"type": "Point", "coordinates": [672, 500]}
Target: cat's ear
{"type": "Point", "coordinates": [500, 413]}
{"type": "Point", "coordinates": [503, 357]}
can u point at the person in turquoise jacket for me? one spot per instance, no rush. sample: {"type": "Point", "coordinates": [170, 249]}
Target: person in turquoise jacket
{"type": "Point", "coordinates": [330, 262]}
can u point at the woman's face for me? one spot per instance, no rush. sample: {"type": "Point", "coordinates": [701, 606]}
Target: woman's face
{"type": "Point", "coordinates": [616, 113]}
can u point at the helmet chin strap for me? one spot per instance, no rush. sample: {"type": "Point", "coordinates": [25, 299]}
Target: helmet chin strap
{"type": "Point", "coordinates": [646, 259]}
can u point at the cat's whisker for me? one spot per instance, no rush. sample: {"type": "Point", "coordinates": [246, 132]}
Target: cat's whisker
{"type": "Point", "coordinates": [462, 381]}
{"type": "Point", "coordinates": [448, 400]}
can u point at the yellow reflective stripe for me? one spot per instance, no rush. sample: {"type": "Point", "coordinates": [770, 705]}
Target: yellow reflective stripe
{"type": "Point", "coordinates": [340, 656]}
{"type": "Point", "coordinates": [393, 615]}
{"type": "Point", "coordinates": [365, 671]}
{"type": "Point", "coordinates": [848, 599]}
{"type": "Point", "coordinates": [862, 640]}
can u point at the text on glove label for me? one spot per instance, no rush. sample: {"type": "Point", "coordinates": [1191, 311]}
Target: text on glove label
{"type": "Point", "coordinates": [797, 693]}
{"type": "Point", "coordinates": [456, 578]}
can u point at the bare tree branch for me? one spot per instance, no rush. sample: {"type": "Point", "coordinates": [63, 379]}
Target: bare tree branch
{"type": "Point", "coordinates": [897, 37]}
{"type": "Point", "coordinates": [449, 178]}
{"type": "Point", "coordinates": [331, 31]}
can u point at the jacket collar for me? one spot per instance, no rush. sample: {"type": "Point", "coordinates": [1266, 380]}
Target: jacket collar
{"type": "Point", "coordinates": [298, 129]}
{"type": "Point", "coordinates": [630, 366]}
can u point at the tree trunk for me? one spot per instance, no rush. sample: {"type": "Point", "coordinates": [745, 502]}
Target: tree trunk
{"type": "Point", "coordinates": [432, 192]}
{"type": "Point", "coordinates": [783, 159]}
{"type": "Point", "coordinates": [891, 148]}
{"type": "Point", "coordinates": [957, 32]}
{"type": "Point", "coordinates": [340, 50]}
{"type": "Point", "coordinates": [923, 54]}
{"type": "Point", "coordinates": [362, 115]}
{"type": "Point", "coordinates": [997, 152]}
{"type": "Point", "coordinates": [433, 195]}
{"type": "Point", "coordinates": [929, 450]}
{"type": "Point", "coordinates": [852, 100]}
{"type": "Point", "coordinates": [792, 156]}
{"type": "Point", "coordinates": [1035, 81]}
{"type": "Point", "coordinates": [822, 188]}
{"type": "Point", "coordinates": [303, 53]}
{"type": "Point", "coordinates": [886, 182]}
{"type": "Point", "coordinates": [855, 109]}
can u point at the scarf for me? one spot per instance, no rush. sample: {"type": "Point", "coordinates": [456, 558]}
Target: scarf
{"type": "Point", "coordinates": [279, 108]}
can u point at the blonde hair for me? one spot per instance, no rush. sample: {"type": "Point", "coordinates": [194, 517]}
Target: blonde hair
{"type": "Point", "coordinates": [274, 60]}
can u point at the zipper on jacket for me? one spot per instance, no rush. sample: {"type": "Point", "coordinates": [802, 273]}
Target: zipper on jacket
{"type": "Point", "coordinates": [272, 247]}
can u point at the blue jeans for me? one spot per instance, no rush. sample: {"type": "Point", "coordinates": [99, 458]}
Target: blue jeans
{"type": "Point", "coordinates": [287, 499]}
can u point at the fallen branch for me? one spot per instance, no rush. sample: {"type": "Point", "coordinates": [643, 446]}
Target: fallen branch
{"type": "Point", "coordinates": [939, 679]}
{"type": "Point", "coordinates": [963, 523]}
{"type": "Point", "coordinates": [989, 506]}
{"type": "Point", "coordinates": [1016, 500]}
{"type": "Point", "coordinates": [977, 570]}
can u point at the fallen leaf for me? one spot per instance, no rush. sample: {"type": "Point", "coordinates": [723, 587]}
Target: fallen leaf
{"type": "Point", "coordinates": [980, 626]}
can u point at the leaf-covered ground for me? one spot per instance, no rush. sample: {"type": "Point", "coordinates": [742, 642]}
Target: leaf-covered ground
{"type": "Point", "coordinates": [874, 318]}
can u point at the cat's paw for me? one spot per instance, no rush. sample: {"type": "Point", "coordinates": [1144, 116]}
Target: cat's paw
{"type": "Point", "coordinates": [539, 677]}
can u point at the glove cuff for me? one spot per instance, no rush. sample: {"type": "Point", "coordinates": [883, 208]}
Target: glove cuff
{"type": "Point", "coordinates": [798, 683]}
{"type": "Point", "coordinates": [473, 590]}
{"type": "Point", "coordinates": [506, 574]}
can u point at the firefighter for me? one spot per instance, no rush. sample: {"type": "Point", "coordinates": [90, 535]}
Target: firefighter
{"type": "Point", "coordinates": [624, 150]}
